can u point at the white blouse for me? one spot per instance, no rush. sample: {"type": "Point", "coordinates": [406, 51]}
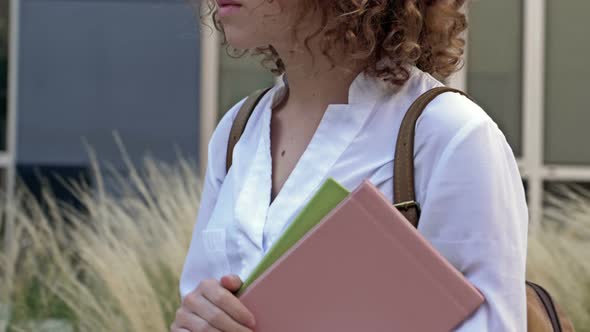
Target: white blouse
{"type": "Point", "coordinates": [467, 183]}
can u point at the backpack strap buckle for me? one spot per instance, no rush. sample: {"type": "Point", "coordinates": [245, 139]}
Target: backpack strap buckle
{"type": "Point", "coordinates": [407, 205]}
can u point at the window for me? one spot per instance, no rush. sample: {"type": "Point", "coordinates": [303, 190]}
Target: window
{"type": "Point", "coordinates": [567, 72]}
{"type": "Point", "coordinates": [494, 74]}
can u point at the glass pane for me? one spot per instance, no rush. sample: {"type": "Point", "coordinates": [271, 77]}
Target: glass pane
{"type": "Point", "coordinates": [91, 68]}
{"type": "Point", "coordinates": [239, 78]}
{"type": "Point", "coordinates": [3, 70]}
{"type": "Point", "coordinates": [568, 51]}
{"type": "Point", "coordinates": [494, 72]}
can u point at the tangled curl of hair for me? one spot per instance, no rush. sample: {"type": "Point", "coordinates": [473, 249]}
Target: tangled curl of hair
{"type": "Point", "coordinates": [384, 36]}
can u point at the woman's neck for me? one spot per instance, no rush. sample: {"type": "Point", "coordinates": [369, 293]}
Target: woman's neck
{"type": "Point", "coordinates": [313, 82]}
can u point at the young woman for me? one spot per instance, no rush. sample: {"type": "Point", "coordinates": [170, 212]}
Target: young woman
{"type": "Point", "coordinates": [353, 68]}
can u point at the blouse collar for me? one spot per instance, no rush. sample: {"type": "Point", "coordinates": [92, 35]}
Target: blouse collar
{"type": "Point", "coordinates": [364, 89]}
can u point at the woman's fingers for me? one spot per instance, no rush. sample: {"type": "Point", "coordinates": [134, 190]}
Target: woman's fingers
{"type": "Point", "coordinates": [187, 321]}
{"type": "Point", "coordinates": [212, 307]}
{"type": "Point", "coordinates": [228, 303]}
{"type": "Point", "coordinates": [231, 282]}
{"type": "Point", "coordinates": [218, 318]}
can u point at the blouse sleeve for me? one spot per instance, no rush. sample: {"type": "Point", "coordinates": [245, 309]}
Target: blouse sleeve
{"type": "Point", "coordinates": [195, 265]}
{"type": "Point", "coordinates": [474, 212]}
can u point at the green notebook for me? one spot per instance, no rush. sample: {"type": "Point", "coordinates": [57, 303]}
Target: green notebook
{"type": "Point", "coordinates": [325, 200]}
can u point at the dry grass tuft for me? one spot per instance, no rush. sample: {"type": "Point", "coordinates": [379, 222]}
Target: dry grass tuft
{"type": "Point", "coordinates": [115, 266]}
{"type": "Point", "coordinates": [559, 251]}
{"type": "Point", "coordinates": [112, 267]}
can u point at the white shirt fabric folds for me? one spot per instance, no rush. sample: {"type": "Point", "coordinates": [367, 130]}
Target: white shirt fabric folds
{"type": "Point", "coordinates": [467, 182]}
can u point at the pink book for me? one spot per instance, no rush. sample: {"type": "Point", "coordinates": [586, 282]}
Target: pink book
{"type": "Point", "coordinates": [362, 268]}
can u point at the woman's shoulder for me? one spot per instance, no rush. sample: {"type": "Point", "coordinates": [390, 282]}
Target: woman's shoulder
{"type": "Point", "coordinates": [220, 135]}
{"type": "Point", "coordinates": [455, 132]}
{"type": "Point", "coordinates": [448, 114]}
{"type": "Point", "coordinates": [454, 123]}
{"type": "Point", "coordinates": [217, 148]}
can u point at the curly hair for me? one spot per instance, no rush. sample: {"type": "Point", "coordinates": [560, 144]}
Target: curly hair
{"type": "Point", "coordinates": [384, 36]}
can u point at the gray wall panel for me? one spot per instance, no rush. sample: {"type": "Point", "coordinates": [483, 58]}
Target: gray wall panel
{"type": "Point", "coordinates": [89, 68]}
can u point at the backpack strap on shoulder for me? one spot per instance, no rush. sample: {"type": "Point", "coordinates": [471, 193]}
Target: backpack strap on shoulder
{"type": "Point", "coordinates": [404, 194]}
{"type": "Point", "coordinates": [240, 123]}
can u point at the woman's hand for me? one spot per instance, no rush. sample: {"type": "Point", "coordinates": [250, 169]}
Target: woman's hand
{"type": "Point", "coordinates": [212, 307]}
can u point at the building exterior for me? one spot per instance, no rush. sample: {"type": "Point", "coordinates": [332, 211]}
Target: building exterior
{"type": "Point", "coordinates": [84, 70]}
{"type": "Point", "coordinates": [87, 67]}
{"type": "Point", "coordinates": [534, 52]}
{"type": "Point", "coordinates": [526, 65]}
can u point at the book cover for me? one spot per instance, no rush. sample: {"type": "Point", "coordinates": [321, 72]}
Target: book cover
{"type": "Point", "coordinates": [364, 267]}
{"type": "Point", "coordinates": [330, 194]}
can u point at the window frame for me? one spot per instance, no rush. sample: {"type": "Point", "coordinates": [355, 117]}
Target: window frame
{"type": "Point", "coordinates": [8, 156]}
{"type": "Point", "coordinates": [209, 85]}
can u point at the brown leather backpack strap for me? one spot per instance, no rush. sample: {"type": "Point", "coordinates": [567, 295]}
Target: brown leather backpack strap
{"type": "Point", "coordinates": [240, 123]}
{"type": "Point", "coordinates": [404, 195]}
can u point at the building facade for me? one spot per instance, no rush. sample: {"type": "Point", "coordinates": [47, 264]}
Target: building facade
{"type": "Point", "coordinates": [526, 66]}
{"type": "Point", "coordinates": [83, 68]}
{"type": "Point", "coordinates": [84, 71]}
